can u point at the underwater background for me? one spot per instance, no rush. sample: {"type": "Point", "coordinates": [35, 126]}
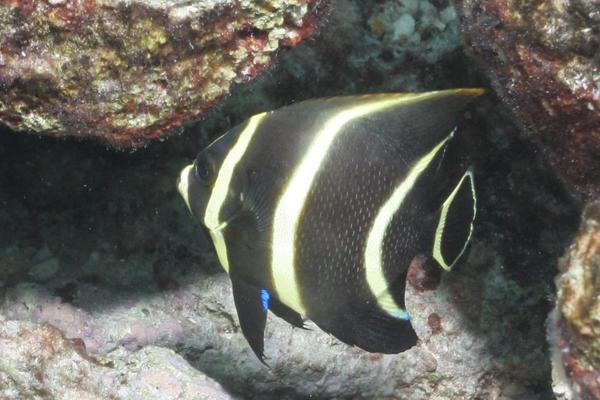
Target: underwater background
{"type": "Point", "coordinates": [108, 289]}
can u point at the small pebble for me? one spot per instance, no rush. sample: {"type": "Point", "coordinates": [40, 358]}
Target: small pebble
{"type": "Point", "coordinates": [435, 323]}
{"type": "Point", "coordinates": [404, 27]}
{"type": "Point", "coordinates": [44, 270]}
{"type": "Point", "coordinates": [41, 255]}
{"type": "Point", "coordinates": [448, 14]}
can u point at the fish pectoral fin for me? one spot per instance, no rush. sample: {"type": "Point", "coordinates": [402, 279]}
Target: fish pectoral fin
{"type": "Point", "coordinates": [258, 201]}
{"type": "Point", "coordinates": [286, 313]}
{"type": "Point", "coordinates": [454, 222]}
{"type": "Point", "coordinates": [251, 315]}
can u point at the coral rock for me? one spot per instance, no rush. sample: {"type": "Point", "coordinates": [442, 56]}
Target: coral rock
{"type": "Point", "coordinates": [128, 71]}
{"type": "Point", "coordinates": [542, 59]}
{"type": "Point", "coordinates": [39, 362]}
{"type": "Point", "coordinates": [453, 360]}
{"type": "Point", "coordinates": [574, 328]}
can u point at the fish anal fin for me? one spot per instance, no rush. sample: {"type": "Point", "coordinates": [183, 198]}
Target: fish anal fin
{"type": "Point", "coordinates": [454, 224]}
{"type": "Point", "coordinates": [251, 315]}
{"type": "Point", "coordinates": [286, 313]}
{"type": "Point", "coordinates": [370, 329]}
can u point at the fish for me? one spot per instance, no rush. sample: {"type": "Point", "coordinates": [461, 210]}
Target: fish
{"type": "Point", "coordinates": [316, 210]}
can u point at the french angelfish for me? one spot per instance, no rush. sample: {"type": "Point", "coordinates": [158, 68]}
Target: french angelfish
{"type": "Point", "coordinates": [317, 209]}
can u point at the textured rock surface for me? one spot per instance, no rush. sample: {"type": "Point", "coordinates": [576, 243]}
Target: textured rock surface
{"type": "Point", "coordinates": [100, 244]}
{"type": "Point", "coordinates": [368, 45]}
{"type": "Point", "coordinates": [542, 58]}
{"type": "Point", "coordinates": [574, 327]}
{"type": "Point", "coordinates": [416, 30]}
{"type": "Point", "coordinates": [198, 319]}
{"type": "Point", "coordinates": [128, 71]}
{"type": "Point", "coordinates": [38, 362]}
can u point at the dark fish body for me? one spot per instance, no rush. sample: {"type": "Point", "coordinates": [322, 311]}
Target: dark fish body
{"type": "Point", "coordinates": [317, 209]}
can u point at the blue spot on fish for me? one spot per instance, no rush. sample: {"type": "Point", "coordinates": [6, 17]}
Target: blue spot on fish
{"type": "Point", "coordinates": [401, 314]}
{"type": "Point", "coordinates": [265, 296]}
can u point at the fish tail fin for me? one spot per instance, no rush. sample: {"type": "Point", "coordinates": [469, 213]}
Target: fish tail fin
{"type": "Point", "coordinates": [453, 222]}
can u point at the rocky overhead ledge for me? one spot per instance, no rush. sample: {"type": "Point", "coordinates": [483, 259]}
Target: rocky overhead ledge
{"type": "Point", "coordinates": [129, 71]}
{"type": "Point", "coordinates": [542, 58]}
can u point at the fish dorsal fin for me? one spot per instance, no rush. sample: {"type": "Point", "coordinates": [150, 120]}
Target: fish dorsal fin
{"type": "Point", "coordinates": [455, 222]}
{"type": "Point", "coordinates": [390, 114]}
{"type": "Point", "coordinates": [413, 123]}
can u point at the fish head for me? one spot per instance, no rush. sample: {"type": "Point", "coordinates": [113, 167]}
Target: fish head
{"type": "Point", "coordinates": [208, 187]}
{"type": "Point", "coordinates": [195, 183]}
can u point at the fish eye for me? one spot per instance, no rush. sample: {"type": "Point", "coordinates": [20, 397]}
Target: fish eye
{"type": "Point", "coordinates": [202, 169]}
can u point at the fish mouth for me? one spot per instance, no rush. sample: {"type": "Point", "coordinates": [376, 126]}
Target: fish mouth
{"type": "Point", "coordinates": [183, 184]}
